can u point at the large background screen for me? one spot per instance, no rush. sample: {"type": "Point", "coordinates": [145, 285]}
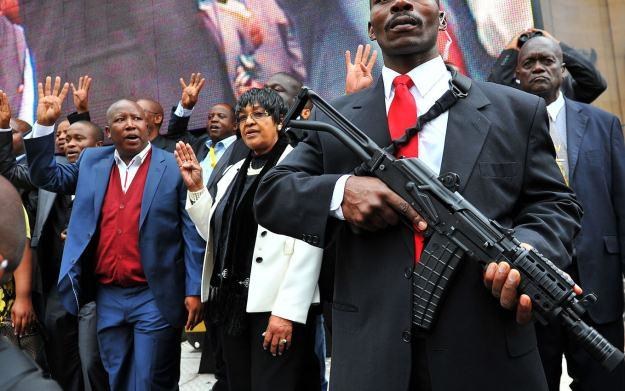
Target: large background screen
{"type": "Point", "coordinates": [141, 48]}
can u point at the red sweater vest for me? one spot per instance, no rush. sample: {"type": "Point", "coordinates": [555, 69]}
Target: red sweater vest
{"type": "Point", "coordinates": [118, 258]}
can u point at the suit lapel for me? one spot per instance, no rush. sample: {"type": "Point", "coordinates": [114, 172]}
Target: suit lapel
{"type": "Point", "coordinates": [467, 129]}
{"type": "Point", "coordinates": [369, 114]}
{"type": "Point", "coordinates": [155, 173]}
{"type": "Point", "coordinates": [576, 122]}
{"type": "Point", "coordinates": [101, 174]}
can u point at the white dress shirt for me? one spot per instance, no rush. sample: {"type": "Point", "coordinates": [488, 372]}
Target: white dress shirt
{"type": "Point", "coordinates": [127, 172]}
{"type": "Point", "coordinates": [181, 111]}
{"type": "Point", "coordinates": [431, 81]}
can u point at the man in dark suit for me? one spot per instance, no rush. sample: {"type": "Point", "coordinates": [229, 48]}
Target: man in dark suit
{"type": "Point", "coordinates": [591, 155]}
{"type": "Point", "coordinates": [583, 82]}
{"type": "Point", "coordinates": [496, 140]}
{"type": "Point", "coordinates": [219, 133]}
{"type": "Point", "coordinates": [130, 243]}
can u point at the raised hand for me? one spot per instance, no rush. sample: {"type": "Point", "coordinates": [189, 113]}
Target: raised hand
{"type": "Point", "coordinates": [359, 73]}
{"type": "Point", "coordinates": [191, 91]}
{"type": "Point", "coordinates": [5, 111]}
{"type": "Point", "coordinates": [190, 168]}
{"type": "Point", "coordinates": [81, 94]}
{"type": "Point", "coordinates": [50, 101]}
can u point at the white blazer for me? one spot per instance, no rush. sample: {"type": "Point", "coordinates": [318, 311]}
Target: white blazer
{"type": "Point", "coordinates": [285, 271]}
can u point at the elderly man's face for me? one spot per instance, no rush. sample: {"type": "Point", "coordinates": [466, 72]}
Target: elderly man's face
{"type": "Point", "coordinates": [540, 70]}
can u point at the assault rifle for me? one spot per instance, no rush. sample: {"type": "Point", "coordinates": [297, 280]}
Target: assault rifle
{"type": "Point", "coordinates": [456, 228]}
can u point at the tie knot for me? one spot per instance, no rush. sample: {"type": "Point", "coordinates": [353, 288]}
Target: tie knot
{"type": "Point", "coordinates": [403, 80]}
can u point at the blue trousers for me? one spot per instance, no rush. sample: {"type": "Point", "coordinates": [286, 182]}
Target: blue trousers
{"type": "Point", "coordinates": [139, 349]}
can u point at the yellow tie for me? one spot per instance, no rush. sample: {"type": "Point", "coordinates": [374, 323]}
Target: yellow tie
{"type": "Point", "coordinates": [212, 156]}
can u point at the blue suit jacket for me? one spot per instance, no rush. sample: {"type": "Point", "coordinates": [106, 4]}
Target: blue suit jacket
{"type": "Point", "coordinates": [171, 249]}
{"type": "Point", "coordinates": [596, 155]}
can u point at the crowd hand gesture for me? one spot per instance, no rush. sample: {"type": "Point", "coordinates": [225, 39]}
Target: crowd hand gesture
{"type": "Point", "coordinates": [503, 282]}
{"type": "Point", "coordinates": [190, 168]}
{"type": "Point", "coordinates": [50, 101]}
{"type": "Point", "coordinates": [191, 91]}
{"type": "Point", "coordinates": [5, 111]}
{"type": "Point", "coordinates": [81, 94]}
{"type": "Point", "coordinates": [277, 336]}
{"type": "Point", "coordinates": [22, 315]}
{"type": "Point", "coordinates": [358, 74]}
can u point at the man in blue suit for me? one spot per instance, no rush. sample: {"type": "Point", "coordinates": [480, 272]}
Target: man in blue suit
{"type": "Point", "coordinates": [591, 155]}
{"type": "Point", "coordinates": [130, 243]}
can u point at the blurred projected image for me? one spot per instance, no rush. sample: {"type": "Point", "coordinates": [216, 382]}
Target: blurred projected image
{"type": "Point", "coordinates": [16, 72]}
{"type": "Point", "coordinates": [141, 48]}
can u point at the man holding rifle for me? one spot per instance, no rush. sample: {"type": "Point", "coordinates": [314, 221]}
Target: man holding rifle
{"type": "Point", "coordinates": [497, 141]}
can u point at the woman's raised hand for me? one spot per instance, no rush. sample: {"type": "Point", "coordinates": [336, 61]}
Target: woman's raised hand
{"type": "Point", "coordinates": [190, 168]}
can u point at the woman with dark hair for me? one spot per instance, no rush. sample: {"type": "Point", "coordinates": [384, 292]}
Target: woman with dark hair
{"type": "Point", "coordinates": [259, 285]}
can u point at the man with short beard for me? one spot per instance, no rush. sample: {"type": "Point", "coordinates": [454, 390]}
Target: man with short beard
{"type": "Point", "coordinates": [495, 139]}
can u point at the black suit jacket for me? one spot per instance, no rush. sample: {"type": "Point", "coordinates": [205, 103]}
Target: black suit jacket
{"type": "Point", "coordinates": [597, 175]}
{"type": "Point", "coordinates": [584, 82]}
{"type": "Point", "coordinates": [497, 141]}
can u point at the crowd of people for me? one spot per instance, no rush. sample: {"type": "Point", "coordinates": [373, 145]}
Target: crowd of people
{"type": "Point", "coordinates": [126, 234]}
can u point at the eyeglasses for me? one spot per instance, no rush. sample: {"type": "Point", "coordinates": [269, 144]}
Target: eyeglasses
{"type": "Point", "coordinates": [256, 116]}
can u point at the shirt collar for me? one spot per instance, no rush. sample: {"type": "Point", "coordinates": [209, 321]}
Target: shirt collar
{"type": "Point", "coordinates": [137, 160]}
{"type": "Point", "coordinates": [225, 142]}
{"type": "Point", "coordinates": [424, 77]}
{"type": "Point", "coordinates": [555, 107]}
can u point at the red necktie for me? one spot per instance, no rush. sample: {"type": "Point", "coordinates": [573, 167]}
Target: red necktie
{"type": "Point", "coordinates": [402, 115]}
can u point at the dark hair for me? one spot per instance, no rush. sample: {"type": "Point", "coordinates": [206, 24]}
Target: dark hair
{"type": "Point", "coordinates": [95, 129]}
{"type": "Point", "coordinates": [266, 98]}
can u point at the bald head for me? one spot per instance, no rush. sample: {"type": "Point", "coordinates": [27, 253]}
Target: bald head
{"type": "Point", "coordinates": [540, 68]}
{"type": "Point", "coordinates": [12, 228]}
{"type": "Point", "coordinates": [120, 105]}
{"type": "Point", "coordinates": [127, 128]}
{"type": "Point", "coordinates": [153, 115]}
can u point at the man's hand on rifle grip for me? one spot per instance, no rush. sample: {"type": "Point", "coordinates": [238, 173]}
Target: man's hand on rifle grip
{"type": "Point", "coordinates": [370, 205]}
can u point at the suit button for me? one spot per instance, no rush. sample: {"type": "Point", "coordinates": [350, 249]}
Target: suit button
{"type": "Point", "coordinates": [405, 336]}
{"type": "Point", "coordinates": [122, 206]}
{"type": "Point", "coordinates": [263, 234]}
{"type": "Point", "coordinates": [119, 231]}
{"type": "Point", "coordinates": [408, 272]}
{"type": "Point", "coordinates": [259, 259]}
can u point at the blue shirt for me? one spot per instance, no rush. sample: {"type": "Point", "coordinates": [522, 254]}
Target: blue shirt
{"type": "Point", "coordinates": [220, 148]}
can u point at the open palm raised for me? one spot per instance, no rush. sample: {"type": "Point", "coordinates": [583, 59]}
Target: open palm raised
{"type": "Point", "coordinates": [190, 168]}
{"type": "Point", "coordinates": [50, 100]}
